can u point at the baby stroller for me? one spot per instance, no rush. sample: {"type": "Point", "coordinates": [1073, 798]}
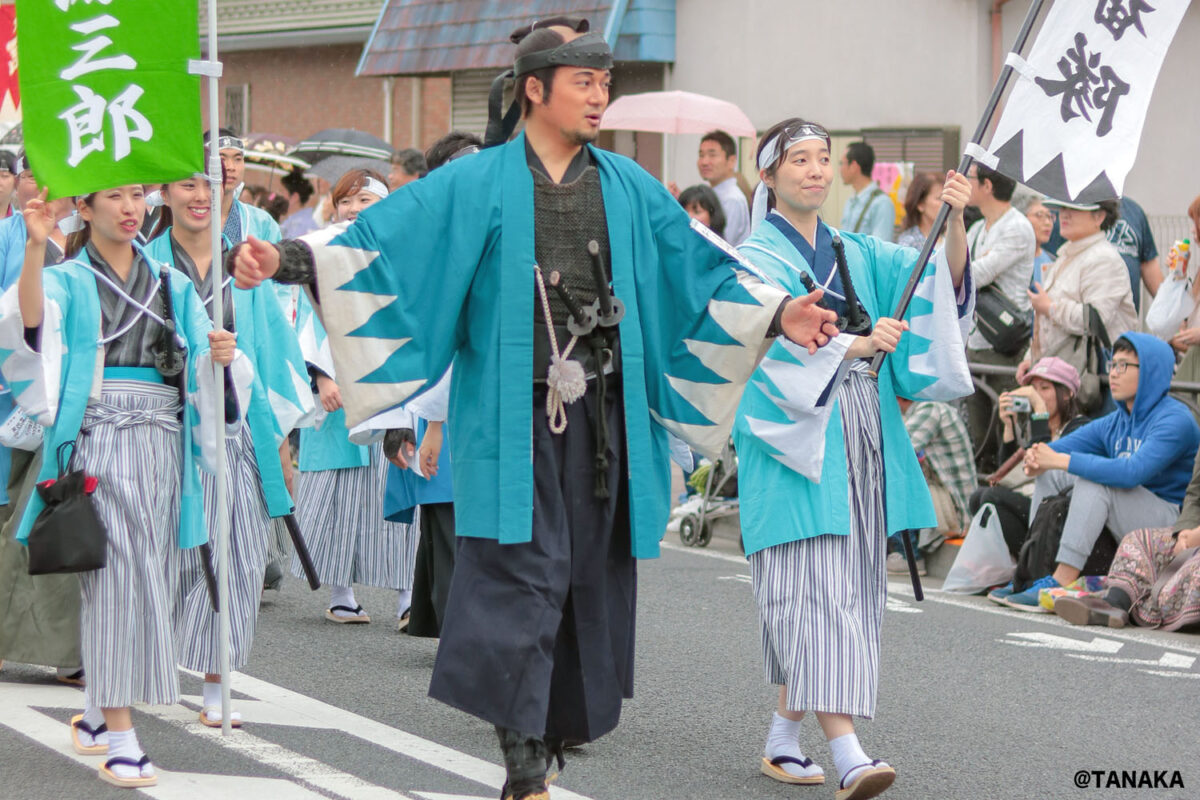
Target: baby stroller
{"type": "Point", "coordinates": [717, 498]}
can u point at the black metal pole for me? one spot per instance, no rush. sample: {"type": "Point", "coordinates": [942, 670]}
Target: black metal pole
{"type": "Point", "coordinates": [310, 572]}
{"type": "Point", "coordinates": [943, 214]}
{"type": "Point", "coordinates": [911, 557]}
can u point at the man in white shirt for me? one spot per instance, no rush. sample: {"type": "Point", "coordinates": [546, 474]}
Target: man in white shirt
{"type": "Point", "coordinates": [1002, 247]}
{"type": "Point", "coordinates": [869, 210]}
{"type": "Point", "coordinates": [717, 163]}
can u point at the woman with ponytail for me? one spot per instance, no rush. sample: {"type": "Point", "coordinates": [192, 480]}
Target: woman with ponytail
{"type": "Point", "coordinates": [267, 377]}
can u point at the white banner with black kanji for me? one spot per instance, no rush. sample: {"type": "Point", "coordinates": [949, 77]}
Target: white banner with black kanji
{"type": "Point", "coordinates": [1074, 117]}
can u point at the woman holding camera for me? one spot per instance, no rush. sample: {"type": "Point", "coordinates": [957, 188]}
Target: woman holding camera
{"type": "Point", "coordinates": [1042, 409]}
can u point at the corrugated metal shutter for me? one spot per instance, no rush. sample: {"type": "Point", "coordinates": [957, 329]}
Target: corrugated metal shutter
{"type": "Point", "coordinates": [932, 149]}
{"type": "Point", "coordinates": [468, 100]}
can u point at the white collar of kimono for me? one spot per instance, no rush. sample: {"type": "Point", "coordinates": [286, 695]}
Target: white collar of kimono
{"type": "Point", "coordinates": [375, 187]}
{"type": "Point", "coordinates": [142, 307]}
{"type": "Point", "coordinates": [789, 264]}
{"type": "Point", "coordinates": [771, 153]}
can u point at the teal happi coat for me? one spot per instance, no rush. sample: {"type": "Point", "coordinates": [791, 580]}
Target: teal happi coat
{"type": "Point", "coordinates": [255, 222]}
{"type": "Point", "coordinates": [279, 398]}
{"type": "Point", "coordinates": [325, 444]}
{"type": "Point", "coordinates": [443, 269]}
{"type": "Point", "coordinates": [791, 451]}
{"type": "Point", "coordinates": [55, 385]}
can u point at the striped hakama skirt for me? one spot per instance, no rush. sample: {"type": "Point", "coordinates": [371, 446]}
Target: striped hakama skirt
{"type": "Point", "coordinates": [197, 628]}
{"type": "Point", "coordinates": [821, 599]}
{"type": "Point", "coordinates": [340, 513]}
{"type": "Point", "coordinates": [130, 441]}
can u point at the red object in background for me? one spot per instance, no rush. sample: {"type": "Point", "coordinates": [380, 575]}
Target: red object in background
{"type": "Point", "coordinates": [8, 49]}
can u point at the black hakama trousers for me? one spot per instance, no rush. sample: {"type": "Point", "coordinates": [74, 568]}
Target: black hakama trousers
{"type": "Point", "coordinates": [538, 636]}
{"type": "Point", "coordinates": [434, 570]}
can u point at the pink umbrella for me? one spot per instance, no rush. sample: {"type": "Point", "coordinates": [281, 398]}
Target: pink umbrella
{"type": "Point", "coordinates": [676, 112]}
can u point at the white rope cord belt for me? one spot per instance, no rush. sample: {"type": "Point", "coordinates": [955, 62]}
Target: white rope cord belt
{"type": "Point", "coordinates": [566, 381]}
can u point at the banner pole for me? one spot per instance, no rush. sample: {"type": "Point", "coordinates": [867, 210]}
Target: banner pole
{"type": "Point", "coordinates": [985, 122]}
{"type": "Point", "coordinates": [218, 315]}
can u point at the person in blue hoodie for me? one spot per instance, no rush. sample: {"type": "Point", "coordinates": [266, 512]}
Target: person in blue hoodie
{"type": "Point", "coordinates": [1130, 469]}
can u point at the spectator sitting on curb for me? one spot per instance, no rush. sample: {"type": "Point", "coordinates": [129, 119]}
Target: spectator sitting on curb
{"type": "Point", "coordinates": [1129, 469]}
{"type": "Point", "coordinates": [1050, 389]}
{"type": "Point", "coordinates": [944, 450]}
{"type": "Point", "coordinates": [1154, 580]}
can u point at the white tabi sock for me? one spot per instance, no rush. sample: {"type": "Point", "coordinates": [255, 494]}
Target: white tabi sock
{"type": "Point", "coordinates": [124, 744]}
{"type": "Point", "coordinates": [403, 602]}
{"type": "Point", "coordinates": [784, 740]}
{"type": "Point", "coordinates": [95, 718]}
{"type": "Point", "coordinates": [212, 704]}
{"type": "Point", "coordinates": [848, 757]}
{"type": "Point", "coordinates": [342, 596]}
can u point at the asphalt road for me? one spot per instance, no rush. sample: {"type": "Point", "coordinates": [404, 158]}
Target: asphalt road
{"type": "Point", "coordinates": [974, 702]}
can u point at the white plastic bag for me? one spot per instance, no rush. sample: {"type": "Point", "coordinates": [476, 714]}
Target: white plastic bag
{"type": "Point", "coordinates": [20, 432]}
{"type": "Point", "coordinates": [1171, 307]}
{"type": "Point", "coordinates": [984, 560]}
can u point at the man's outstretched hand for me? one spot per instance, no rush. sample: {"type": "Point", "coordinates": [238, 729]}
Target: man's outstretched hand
{"type": "Point", "coordinates": [254, 262]}
{"type": "Point", "coordinates": [807, 324]}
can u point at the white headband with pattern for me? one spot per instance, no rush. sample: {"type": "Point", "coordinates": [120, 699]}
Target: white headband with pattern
{"type": "Point", "coordinates": [374, 187]}
{"type": "Point", "coordinates": [771, 153]}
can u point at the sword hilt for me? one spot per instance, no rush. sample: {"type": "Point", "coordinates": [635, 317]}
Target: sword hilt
{"type": "Point", "coordinates": [583, 320]}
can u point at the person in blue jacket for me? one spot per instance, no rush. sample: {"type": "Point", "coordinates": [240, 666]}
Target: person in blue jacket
{"type": "Point", "coordinates": [1130, 468]}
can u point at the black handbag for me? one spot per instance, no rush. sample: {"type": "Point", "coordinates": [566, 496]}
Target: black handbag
{"type": "Point", "coordinates": [68, 535]}
{"type": "Point", "coordinates": [1005, 326]}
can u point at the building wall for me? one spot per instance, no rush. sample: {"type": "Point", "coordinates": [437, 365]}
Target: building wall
{"type": "Point", "coordinates": [299, 91]}
{"type": "Point", "coordinates": [860, 64]}
{"type": "Point", "coordinates": [848, 65]}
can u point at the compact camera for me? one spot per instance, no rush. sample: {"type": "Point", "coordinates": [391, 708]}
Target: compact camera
{"type": "Point", "coordinates": [1020, 405]}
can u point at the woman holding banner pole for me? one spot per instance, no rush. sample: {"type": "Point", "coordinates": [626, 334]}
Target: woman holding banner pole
{"type": "Point", "coordinates": [814, 448]}
{"type": "Point", "coordinates": [131, 428]}
{"type": "Point", "coordinates": [266, 376]}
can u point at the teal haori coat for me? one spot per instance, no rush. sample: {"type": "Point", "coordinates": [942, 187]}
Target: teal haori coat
{"type": "Point", "coordinates": [791, 451]}
{"type": "Point", "coordinates": [443, 270]}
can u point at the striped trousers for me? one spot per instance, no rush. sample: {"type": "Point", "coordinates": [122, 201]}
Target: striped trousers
{"type": "Point", "coordinates": [340, 513]}
{"type": "Point", "coordinates": [821, 599]}
{"type": "Point", "coordinates": [130, 441]}
{"type": "Point", "coordinates": [197, 628]}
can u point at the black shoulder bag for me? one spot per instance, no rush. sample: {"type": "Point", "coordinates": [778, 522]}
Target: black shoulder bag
{"type": "Point", "coordinates": [68, 535]}
{"type": "Point", "coordinates": [1006, 327]}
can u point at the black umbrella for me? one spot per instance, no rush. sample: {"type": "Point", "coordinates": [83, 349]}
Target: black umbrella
{"type": "Point", "coordinates": [341, 142]}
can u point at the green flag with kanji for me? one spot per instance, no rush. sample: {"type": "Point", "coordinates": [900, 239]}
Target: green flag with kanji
{"type": "Point", "coordinates": [106, 95]}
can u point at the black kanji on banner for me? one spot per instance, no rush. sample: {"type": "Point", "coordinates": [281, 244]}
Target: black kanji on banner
{"type": "Point", "coordinates": [1087, 85]}
{"type": "Point", "coordinates": [1118, 16]}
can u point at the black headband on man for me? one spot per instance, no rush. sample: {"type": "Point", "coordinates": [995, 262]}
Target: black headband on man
{"type": "Point", "coordinates": [590, 51]}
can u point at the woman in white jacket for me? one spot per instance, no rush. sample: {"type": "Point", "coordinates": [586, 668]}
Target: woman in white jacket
{"type": "Point", "coordinates": [1088, 272]}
